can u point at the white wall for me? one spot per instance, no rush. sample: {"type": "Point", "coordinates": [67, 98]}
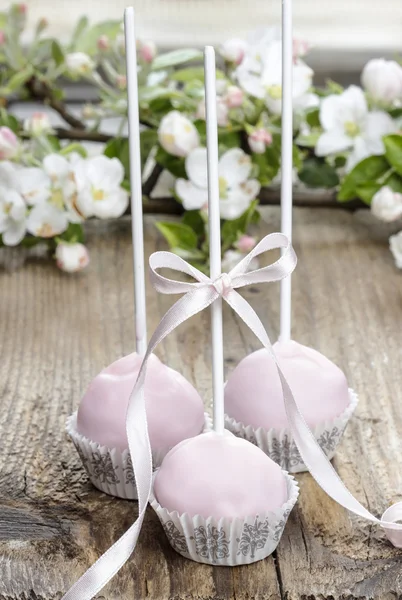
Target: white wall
{"type": "Point", "coordinates": [372, 26]}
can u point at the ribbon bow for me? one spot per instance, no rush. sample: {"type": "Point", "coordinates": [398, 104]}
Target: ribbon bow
{"type": "Point", "coordinates": [199, 295]}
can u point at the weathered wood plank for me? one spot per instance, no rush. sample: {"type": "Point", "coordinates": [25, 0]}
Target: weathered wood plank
{"type": "Point", "coordinates": [58, 331]}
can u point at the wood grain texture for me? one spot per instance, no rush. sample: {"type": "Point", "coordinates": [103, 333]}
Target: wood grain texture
{"type": "Point", "coordinates": [57, 331]}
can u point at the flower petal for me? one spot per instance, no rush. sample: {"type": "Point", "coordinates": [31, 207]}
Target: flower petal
{"type": "Point", "coordinates": [238, 200]}
{"type": "Point", "coordinates": [56, 166]}
{"type": "Point", "coordinates": [15, 233]}
{"type": "Point", "coordinates": [235, 166]}
{"type": "Point", "coordinates": [34, 185]}
{"type": "Point", "coordinates": [196, 167]}
{"type": "Point", "coordinates": [46, 221]}
{"type": "Point", "coordinates": [192, 197]}
{"type": "Point", "coordinates": [113, 206]}
{"type": "Point", "coordinates": [378, 124]}
{"type": "Point", "coordinates": [331, 142]}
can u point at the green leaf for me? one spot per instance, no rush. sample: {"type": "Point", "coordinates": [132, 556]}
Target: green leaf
{"type": "Point", "coordinates": [393, 151]}
{"type": "Point", "coordinates": [74, 147]}
{"type": "Point", "coordinates": [176, 57]}
{"type": "Point", "coordinates": [7, 120]}
{"type": "Point", "coordinates": [317, 174]}
{"type": "Point", "coordinates": [268, 163]}
{"type": "Point", "coordinates": [228, 140]}
{"type": "Point", "coordinates": [366, 191]}
{"type": "Point", "coordinates": [119, 148]}
{"type": "Point", "coordinates": [57, 53]}
{"type": "Point", "coordinates": [189, 74]}
{"type": "Point", "coordinates": [193, 219]}
{"type": "Point", "coordinates": [173, 164]}
{"type": "Point", "coordinates": [19, 79]}
{"type": "Point", "coordinates": [231, 230]}
{"type": "Point", "coordinates": [394, 181]}
{"type": "Point", "coordinates": [74, 233]}
{"type": "Point", "coordinates": [333, 87]}
{"type": "Point", "coordinates": [308, 141]}
{"type": "Point", "coordinates": [178, 235]}
{"type": "Point", "coordinates": [79, 30]}
{"type": "Point", "coordinates": [368, 170]}
{"type": "Point", "coordinates": [148, 139]}
{"type": "Point", "coordinates": [87, 40]}
{"type": "Point", "coordinates": [148, 94]}
{"type": "Point", "coordinates": [313, 117]}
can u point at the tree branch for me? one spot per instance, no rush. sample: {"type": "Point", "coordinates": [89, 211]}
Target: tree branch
{"type": "Point", "coordinates": [150, 183]}
{"type": "Point", "coordinates": [82, 135]}
{"type": "Point", "coordinates": [41, 91]}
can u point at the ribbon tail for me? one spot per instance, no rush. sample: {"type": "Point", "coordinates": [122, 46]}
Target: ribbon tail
{"type": "Point", "coordinates": [310, 451]}
{"type": "Point", "coordinates": [109, 563]}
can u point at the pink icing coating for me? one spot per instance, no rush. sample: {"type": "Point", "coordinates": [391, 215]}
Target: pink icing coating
{"type": "Point", "coordinates": [219, 476]}
{"type": "Point", "coordinates": [253, 394]}
{"type": "Point", "coordinates": [175, 410]}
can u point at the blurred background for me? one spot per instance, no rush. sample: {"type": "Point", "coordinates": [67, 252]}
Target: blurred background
{"type": "Point", "coordinates": [344, 33]}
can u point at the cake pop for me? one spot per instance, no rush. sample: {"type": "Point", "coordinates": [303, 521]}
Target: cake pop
{"type": "Point", "coordinates": [175, 410]}
{"type": "Point", "coordinates": [253, 396]}
{"type": "Point", "coordinates": [220, 499]}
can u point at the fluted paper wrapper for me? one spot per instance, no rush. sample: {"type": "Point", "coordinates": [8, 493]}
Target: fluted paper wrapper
{"type": "Point", "coordinates": [279, 445]}
{"type": "Point", "coordinates": [227, 542]}
{"type": "Point", "coordinates": [109, 469]}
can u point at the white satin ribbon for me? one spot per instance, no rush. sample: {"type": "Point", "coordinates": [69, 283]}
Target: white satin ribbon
{"type": "Point", "coordinates": [197, 297]}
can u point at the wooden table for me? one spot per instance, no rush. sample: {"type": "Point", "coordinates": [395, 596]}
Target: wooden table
{"type": "Point", "coordinates": [57, 331]}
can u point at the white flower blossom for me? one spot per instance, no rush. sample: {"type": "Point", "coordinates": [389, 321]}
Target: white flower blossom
{"type": "Point", "coordinates": [260, 75]}
{"type": "Point", "coordinates": [233, 50]}
{"type": "Point", "coordinates": [382, 79]}
{"type": "Point", "coordinates": [236, 190]}
{"type": "Point", "coordinates": [46, 220]}
{"type": "Point", "coordinates": [71, 257]}
{"type": "Point", "coordinates": [348, 125]}
{"type": "Point", "coordinates": [34, 185]}
{"type": "Point", "coordinates": [98, 182]}
{"type": "Point", "coordinates": [395, 245]}
{"type": "Point", "coordinates": [9, 143]}
{"type": "Point", "coordinates": [222, 111]}
{"type": "Point", "coordinates": [177, 134]}
{"type": "Point", "coordinates": [13, 212]}
{"type": "Point", "coordinates": [79, 64]}
{"type": "Point", "coordinates": [386, 204]}
{"type": "Point", "coordinates": [63, 187]}
{"type": "Point", "coordinates": [232, 257]}
{"type": "Point", "coordinates": [38, 124]}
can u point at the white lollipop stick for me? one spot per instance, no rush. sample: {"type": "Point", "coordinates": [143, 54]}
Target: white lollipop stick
{"type": "Point", "coordinates": [287, 160]}
{"type": "Point", "coordinates": [214, 238]}
{"type": "Point", "coordinates": [136, 183]}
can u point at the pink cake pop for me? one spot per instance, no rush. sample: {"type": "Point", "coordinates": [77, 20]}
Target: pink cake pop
{"type": "Point", "coordinates": [253, 395]}
{"type": "Point", "coordinates": [220, 499]}
{"type": "Point", "coordinates": [174, 408]}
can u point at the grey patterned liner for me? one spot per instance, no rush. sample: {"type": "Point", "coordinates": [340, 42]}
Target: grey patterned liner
{"type": "Point", "coordinates": [227, 542]}
{"type": "Point", "coordinates": [280, 446]}
{"type": "Point", "coordinates": [110, 470]}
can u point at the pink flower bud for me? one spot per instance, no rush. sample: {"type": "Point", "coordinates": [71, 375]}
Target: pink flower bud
{"type": "Point", "coordinates": [259, 140]}
{"type": "Point", "coordinates": [22, 8]}
{"type": "Point", "coordinates": [300, 48]}
{"type": "Point", "coordinates": [38, 124]}
{"type": "Point", "coordinates": [71, 257]}
{"type": "Point", "coordinates": [147, 51]}
{"type": "Point", "coordinates": [8, 143]}
{"type": "Point", "coordinates": [234, 96]}
{"type": "Point", "coordinates": [234, 50]}
{"type": "Point", "coordinates": [2, 37]}
{"type": "Point", "coordinates": [245, 243]}
{"type": "Point", "coordinates": [103, 43]}
{"type": "Point", "coordinates": [121, 82]}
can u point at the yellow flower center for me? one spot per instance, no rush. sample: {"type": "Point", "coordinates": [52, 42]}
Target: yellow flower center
{"type": "Point", "coordinates": [222, 188]}
{"type": "Point", "coordinates": [7, 208]}
{"type": "Point", "coordinates": [45, 230]}
{"type": "Point", "coordinates": [167, 139]}
{"type": "Point", "coordinates": [351, 129]}
{"type": "Point", "coordinates": [57, 198]}
{"type": "Point", "coordinates": [98, 195]}
{"type": "Point", "coordinates": [275, 91]}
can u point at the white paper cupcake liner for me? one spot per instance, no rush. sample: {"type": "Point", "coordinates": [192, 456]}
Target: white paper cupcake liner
{"type": "Point", "coordinates": [280, 446]}
{"type": "Point", "coordinates": [227, 542]}
{"type": "Point", "coordinates": [111, 470]}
